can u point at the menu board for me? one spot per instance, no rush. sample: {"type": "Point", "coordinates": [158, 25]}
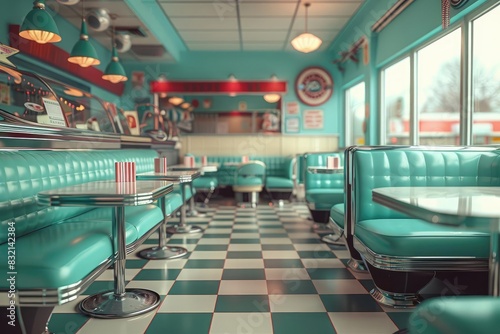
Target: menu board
{"type": "Point", "coordinates": [54, 111]}
{"type": "Point", "coordinates": [313, 119]}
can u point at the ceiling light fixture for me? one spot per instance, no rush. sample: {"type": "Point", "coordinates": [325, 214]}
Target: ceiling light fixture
{"type": "Point", "coordinates": [176, 100]}
{"type": "Point", "coordinates": [272, 97]}
{"type": "Point", "coordinates": [84, 53]}
{"type": "Point", "coordinates": [114, 71]}
{"type": "Point", "coordinates": [39, 26]}
{"type": "Point", "coordinates": [306, 42]}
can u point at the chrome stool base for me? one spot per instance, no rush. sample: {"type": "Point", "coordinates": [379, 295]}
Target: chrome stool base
{"type": "Point", "coordinates": [395, 300]}
{"type": "Point", "coordinates": [162, 253]}
{"type": "Point", "coordinates": [108, 305]}
{"type": "Point", "coordinates": [357, 266]}
{"type": "Point", "coordinates": [184, 229]}
{"type": "Point", "coordinates": [333, 239]}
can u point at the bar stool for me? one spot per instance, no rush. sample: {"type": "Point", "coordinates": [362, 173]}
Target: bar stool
{"type": "Point", "coordinates": [249, 179]}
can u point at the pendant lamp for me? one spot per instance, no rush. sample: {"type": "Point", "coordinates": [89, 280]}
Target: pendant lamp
{"type": "Point", "coordinates": [306, 42]}
{"type": "Point", "coordinates": [272, 97]}
{"type": "Point", "coordinates": [83, 53]}
{"type": "Point", "coordinates": [114, 72]}
{"type": "Point", "coordinates": [39, 26]}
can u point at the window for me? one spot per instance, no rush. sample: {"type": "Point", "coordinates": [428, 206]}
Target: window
{"type": "Point", "coordinates": [438, 91]}
{"type": "Point", "coordinates": [396, 102]}
{"type": "Point", "coordinates": [486, 78]}
{"type": "Point", "coordinates": [355, 115]}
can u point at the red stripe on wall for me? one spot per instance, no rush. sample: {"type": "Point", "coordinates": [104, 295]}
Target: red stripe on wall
{"type": "Point", "coordinates": [202, 87]}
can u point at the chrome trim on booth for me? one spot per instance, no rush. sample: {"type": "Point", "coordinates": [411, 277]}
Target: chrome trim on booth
{"type": "Point", "coordinates": [395, 300]}
{"type": "Point", "coordinates": [30, 136]}
{"type": "Point", "coordinates": [420, 263]}
{"type": "Point", "coordinates": [357, 266]}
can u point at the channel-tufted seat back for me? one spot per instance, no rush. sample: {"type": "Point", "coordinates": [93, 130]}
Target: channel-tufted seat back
{"type": "Point", "coordinates": [25, 173]}
{"type": "Point", "coordinates": [410, 167]}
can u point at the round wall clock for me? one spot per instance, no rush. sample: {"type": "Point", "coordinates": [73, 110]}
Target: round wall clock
{"type": "Point", "coordinates": [314, 86]}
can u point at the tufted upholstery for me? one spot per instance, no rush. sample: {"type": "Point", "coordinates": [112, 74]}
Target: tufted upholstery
{"type": "Point", "coordinates": [396, 246]}
{"type": "Point", "coordinates": [59, 246]}
{"type": "Point", "coordinates": [322, 191]}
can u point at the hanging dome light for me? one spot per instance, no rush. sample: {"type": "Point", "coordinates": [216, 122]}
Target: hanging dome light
{"type": "Point", "coordinates": [306, 42]}
{"type": "Point", "coordinates": [114, 71]}
{"type": "Point", "coordinates": [176, 100]}
{"type": "Point", "coordinates": [39, 26]}
{"type": "Point", "coordinates": [84, 53]}
{"type": "Point", "coordinates": [272, 97]}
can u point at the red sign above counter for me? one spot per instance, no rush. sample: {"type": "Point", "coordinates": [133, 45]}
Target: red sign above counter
{"type": "Point", "coordinates": [218, 87]}
{"type": "Point", "coordinates": [57, 57]}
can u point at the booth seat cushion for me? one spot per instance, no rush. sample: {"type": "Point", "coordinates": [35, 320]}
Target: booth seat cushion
{"type": "Point", "coordinates": [59, 255]}
{"type": "Point", "coordinates": [173, 201]}
{"type": "Point", "coordinates": [324, 198]}
{"type": "Point", "coordinates": [205, 183]}
{"type": "Point", "coordinates": [337, 214]}
{"type": "Point", "coordinates": [275, 182]}
{"type": "Point", "coordinates": [139, 219]}
{"type": "Point", "coordinates": [415, 237]}
{"type": "Point", "coordinates": [457, 315]}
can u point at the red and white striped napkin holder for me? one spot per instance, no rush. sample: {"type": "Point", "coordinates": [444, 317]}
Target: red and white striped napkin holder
{"type": "Point", "coordinates": [245, 158]}
{"type": "Point", "coordinates": [161, 165]}
{"type": "Point", "coordinates": [188, 161]}
{"type": "Point", "coordinates": [332, 162]}
{"type": "Point", "coordinates": [125, 177]}
{"type": "Point", "coordinates": [204, 160]}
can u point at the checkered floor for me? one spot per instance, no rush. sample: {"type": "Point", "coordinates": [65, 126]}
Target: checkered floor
{"type": "Point", "coordinates": [254, 271]}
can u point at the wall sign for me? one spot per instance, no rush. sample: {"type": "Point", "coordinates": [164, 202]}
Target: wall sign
{"type": "Point", "coordinates": [314, 86]}
{"type": "Point", "coordinates": [313, 119]}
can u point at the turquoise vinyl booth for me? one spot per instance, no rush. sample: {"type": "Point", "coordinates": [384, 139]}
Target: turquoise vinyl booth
{"type": "Point", "coordinates": [59, 251]}
{"type": "Point", "coordinates": [405, 254]}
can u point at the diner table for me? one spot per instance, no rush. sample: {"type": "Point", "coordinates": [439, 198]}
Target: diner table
{"type": "Point", "coordinates": [465, 207]}
{"type": "Point", "coordinates": [120, 302]}
{"type": "Point", "coordinates": [211, 167]}
{"type": "Point", "coordinates": [185, 179]}
{"type": "Point", "coordinates": [162, 251]}
{"type": "Point", "coordinates": [331, 238]}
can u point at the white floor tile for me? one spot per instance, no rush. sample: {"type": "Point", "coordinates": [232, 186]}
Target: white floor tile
{"type": "Point", "coordinates": [362, 322]}
{"type": "Point", "coordinates": [243, 287]}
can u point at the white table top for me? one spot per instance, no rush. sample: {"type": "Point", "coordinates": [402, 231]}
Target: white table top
{"type": "Point", "coordinates": [325, 170]}
{"type": "Point", "coordinates": [106, 193]}
{"type": "Point", "coordinates": [208, 168]}
{"type": "Point", "coordinates": [182, 176]}
{"type": "Point", "coordinates": [470, 206]}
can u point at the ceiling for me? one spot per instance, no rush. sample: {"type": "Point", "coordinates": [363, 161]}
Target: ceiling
{"type": "Point", "coordinates": [214, 25]}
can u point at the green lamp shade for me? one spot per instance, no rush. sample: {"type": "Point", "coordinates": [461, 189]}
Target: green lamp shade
{"type": "Point", "coordinates": [114, 71]}
{"type": "Point", "coordinates": [83, 53]}
{"type": "Point", "coordinates": [39, 26]}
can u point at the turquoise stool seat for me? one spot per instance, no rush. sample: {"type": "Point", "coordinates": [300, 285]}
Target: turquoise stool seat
{"type": "Point", "coordinates": [456, 315]}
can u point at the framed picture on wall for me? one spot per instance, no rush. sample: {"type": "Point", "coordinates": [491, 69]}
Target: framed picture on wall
{"type": "Point", "coordinates": [292, 125]}
{"type": "Point", "coordinates": [292, 108]}
{"type": "Point", "coordinates": [313, 119]}
{"type": "Point", "coordinates": [133, 122]}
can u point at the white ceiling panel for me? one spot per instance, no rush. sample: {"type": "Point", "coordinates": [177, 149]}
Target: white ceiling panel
{"type": "Point", "coordinates": [218, 9]}
{"type": "Point", "coordinates": [264, 36]}
{"type": "Point", "coordinates": [219, 24]}
{"type": "Point", "coordinates": [341, 8]}
{"type": "Point", "coordinates": [268, 23]}
{"type": "Point", "coordinates": [262, 46]}
{"type": "Point", "coordinates": [249, 9]}
{"type": "Point", "coordinates": [204, 23]}
{"type": "Point", "coordinates": [320, 23]}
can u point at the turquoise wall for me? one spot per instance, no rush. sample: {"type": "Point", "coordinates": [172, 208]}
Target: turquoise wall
{"type": "Point", "coordinates": [244, 66]}
{"type": "Point", "coordinates": [69, 33]}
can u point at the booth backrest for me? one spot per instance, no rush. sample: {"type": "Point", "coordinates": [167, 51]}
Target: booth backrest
{"type": "Point", "coordinates": [322, 181]}
{"type": "Point", "coordinates": [25, 173]}
{"type": "Point", "coordinates": [418, 166]}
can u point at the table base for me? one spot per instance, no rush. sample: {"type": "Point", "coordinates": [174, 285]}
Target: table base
{"type": "Point", "coordinates": [321, 227]}
{"type": "Point", "coordinates": [184, 229]}
{"type": "Point", "coordinates": [333, 239]}
{"type": "Point", "coordinates": [108, 305]}
{"type": "Point", "coordinates": [162, 253]}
